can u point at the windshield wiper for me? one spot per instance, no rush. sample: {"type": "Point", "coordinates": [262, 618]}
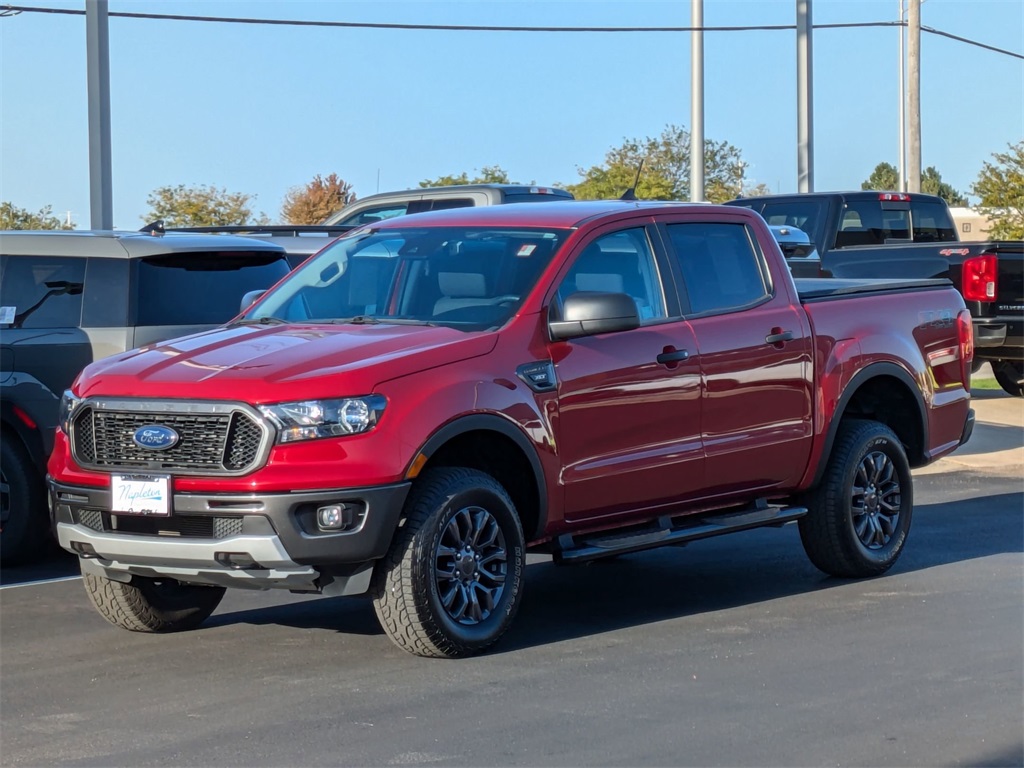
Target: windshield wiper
{"type": "Point", "coordinates": [259, 321]}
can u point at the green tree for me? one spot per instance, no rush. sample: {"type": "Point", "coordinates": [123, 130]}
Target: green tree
{"type": "Point", "coordinates": [666, 171]}
{"type": "Point", "coordinates": [317, 200]}
{"type": "Point", "coordinates": [885, 177]}
{"type": "Point", "coordinates": [13, 217]}
{"type": "Point", "coordinates": [201, 206]}
{"type": "Point", "coordinates": [489, 174]}
{"type": "Point", "coordinates": [1000, 186]}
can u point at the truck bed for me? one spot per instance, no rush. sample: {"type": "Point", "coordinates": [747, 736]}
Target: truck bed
{"type": "Point", "coordinates": [822, 289]}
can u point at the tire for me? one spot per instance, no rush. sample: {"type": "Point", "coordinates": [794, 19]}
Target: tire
{"type": "Point", "coordinates": [452, 580]}
{"type": "Point", "coordinates": [23, 518]}
{"type": "Point", "coordinates": [152, 605]}
{"type": "Point", "coordinates": [1010, 375]}
{"type": "Point", "coordinates": [859, 515]}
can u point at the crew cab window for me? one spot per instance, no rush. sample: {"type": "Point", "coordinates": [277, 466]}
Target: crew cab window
{"type": "Point", "coordinates": [201, 288]}
{"type": "Point", "coordinates": [41, 291]}
{"type": "Point", "coordinates": [621, 262]}
{"type": "Point", "coordinates": [721, 268]}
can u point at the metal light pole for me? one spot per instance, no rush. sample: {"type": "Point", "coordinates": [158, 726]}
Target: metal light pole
{"type": "Point", "coordinates": [902, 183]}
{"type": "Point", "coordinates": [804, 98]}
{"type": "Point", "coordinates": [697, 101]}
{"type": "Point", "coordinates": [97, 54]}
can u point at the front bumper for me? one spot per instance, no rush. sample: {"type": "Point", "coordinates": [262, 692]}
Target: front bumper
{"type": "Point", "coordinates": [259, 541]}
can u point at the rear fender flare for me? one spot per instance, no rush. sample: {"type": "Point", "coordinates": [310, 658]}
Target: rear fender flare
{"type": "Point", "coordinates": [862, 377]}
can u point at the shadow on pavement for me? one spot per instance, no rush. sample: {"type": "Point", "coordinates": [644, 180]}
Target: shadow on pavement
{"type": "Point", "coordinates": [57, 564]}
{"type": "Point", "coordinates": [743, 569]}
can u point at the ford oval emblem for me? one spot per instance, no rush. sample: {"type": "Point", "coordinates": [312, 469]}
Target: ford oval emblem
{"type": "Point", "coordinates": [155, 437]}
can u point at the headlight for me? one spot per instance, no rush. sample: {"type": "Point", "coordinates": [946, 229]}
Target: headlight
{"type": "Point", "coordinates": [310, 419]}
{"type": "Point", "coordinates": [68, 405]}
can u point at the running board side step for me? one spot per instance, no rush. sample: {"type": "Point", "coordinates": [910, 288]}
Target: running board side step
{"type": "Point", "coordinates": [667, 531]}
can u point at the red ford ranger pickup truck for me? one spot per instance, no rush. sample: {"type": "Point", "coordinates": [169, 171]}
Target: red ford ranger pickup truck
{"type": "Point", "coordinates": [429, 398]}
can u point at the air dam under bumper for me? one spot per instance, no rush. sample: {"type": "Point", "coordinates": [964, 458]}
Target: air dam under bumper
{"type": "Point", "coordinates": [256, 541]}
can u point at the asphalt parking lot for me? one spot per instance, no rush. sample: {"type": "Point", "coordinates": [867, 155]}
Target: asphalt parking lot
{"type": "Point", "coordinates": [733, 651]}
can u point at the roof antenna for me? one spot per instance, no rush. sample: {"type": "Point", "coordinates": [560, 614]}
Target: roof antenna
{"type": "Point", "coordinates": [630, 194]}
{"type": "Point", "coordinates": [154, 227]}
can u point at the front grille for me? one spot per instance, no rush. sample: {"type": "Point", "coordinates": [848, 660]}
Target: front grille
{"type": "Point", "coordinates": [222, 442]}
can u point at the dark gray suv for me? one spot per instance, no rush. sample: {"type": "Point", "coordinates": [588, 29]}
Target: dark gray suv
{"type": "Point", "coordinates": [69, 298]}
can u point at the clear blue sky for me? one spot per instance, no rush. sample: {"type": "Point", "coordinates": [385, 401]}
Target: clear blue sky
{"type": "Point", "coordinates": [261, 109]}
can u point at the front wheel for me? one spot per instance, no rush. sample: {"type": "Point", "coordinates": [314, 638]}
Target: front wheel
{"type": "Point", "coordinates": [152, 605]}
{"type": "Point", "coordinates": [859, 515]}
{"type": "Point", "coordinates": [1010, 375]}
{"type": "Point", "coordinates": [452, 581]}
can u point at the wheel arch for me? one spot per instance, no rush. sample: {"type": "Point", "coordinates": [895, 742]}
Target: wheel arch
{"type": "Point", "coordinates": [30, 438]}
{"type": "Point", "coordinates": [887, 393]}
{"type": "Point", "coordinates": [498, 447]}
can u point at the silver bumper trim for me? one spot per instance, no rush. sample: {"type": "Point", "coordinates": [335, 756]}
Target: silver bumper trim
{"type": "Point", "coordinates": [189, 560]}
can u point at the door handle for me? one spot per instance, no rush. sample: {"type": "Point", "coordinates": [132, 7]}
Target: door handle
{"type": "Point", "coordinates": [778, 335]}
{"type": "Point", "coordinates": [673, 356]}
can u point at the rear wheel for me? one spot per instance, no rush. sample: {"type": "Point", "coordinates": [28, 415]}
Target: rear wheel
{"type": "Point", "coordinates": [22, 505]}
{"type": "Point", "coordinates": [452, 581]}
{"type": "Point", "coordinates": [152, 605]}
{"type": "Point", "coordinates": [1010, 375]}
{"type": "Point", "coordinates": [859, 515]}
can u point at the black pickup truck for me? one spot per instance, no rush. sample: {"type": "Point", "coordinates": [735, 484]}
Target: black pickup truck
{"type": "Point", "coordinates": [898, 235]}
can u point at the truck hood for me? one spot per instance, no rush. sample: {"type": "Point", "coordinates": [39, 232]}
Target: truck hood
{"type": "Point", "coordinates": [266, 364]}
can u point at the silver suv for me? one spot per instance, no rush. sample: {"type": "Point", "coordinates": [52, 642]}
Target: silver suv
{"type": "Point", "coordinates": [69, 298]}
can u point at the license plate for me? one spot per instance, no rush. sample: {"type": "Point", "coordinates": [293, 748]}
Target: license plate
{"type": "Point", "coordinates": [140, 495]}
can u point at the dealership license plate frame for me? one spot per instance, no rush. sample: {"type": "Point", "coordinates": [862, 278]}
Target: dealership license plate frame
{"type": "Point", "coordinates": [140, 494]}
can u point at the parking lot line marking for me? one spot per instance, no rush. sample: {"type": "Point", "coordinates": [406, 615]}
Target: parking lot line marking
{"type": "Point", "coordinates": [42, 581]}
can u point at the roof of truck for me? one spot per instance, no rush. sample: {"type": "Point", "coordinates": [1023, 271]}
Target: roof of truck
{"type": "Point", "coordinates": [127, 244]}
{"type": "Point", "coordinates": [558, 215]}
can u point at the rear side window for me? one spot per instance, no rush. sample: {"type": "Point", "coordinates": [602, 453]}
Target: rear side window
{"type": "Point", "coordinates": [721, 269]}
{"type": "Point", "coordinates": [41, 291]}
{"type": "Point", "coordinates": [201, 288]}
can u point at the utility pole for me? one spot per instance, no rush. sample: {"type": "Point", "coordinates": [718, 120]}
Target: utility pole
{"type": "Point", "coordinates": [804, 98]}
{"type": "Point", "coordinates": [697, 101]}
{"type": "Point", "coordinates": [97, 55]}
{"type": "Point", "coordinates": [914, 96]}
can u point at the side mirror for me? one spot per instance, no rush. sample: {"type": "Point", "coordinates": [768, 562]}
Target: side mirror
{"type": "Point", "coordinates": [250, 298]}
{"type": "Point", "coordinates": [586, 313]}
{"type": "Point", "coordinates": [795, 243]}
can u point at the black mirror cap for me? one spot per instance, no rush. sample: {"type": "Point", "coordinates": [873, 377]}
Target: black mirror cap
{"type": "Point", "coordinates": [586, 313]}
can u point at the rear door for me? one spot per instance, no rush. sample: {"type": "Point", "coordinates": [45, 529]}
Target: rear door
{"type": "Point", "coordinates": [627, 424]}
{"type": "Point", "coordinates": [754, 346]}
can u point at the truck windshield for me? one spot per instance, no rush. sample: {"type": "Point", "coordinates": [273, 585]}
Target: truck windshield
{"type": "Point", "coordinates": [469, 278]}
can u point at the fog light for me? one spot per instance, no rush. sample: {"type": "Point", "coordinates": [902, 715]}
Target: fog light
{"type": "Point", "coordinates": [334, 517]}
